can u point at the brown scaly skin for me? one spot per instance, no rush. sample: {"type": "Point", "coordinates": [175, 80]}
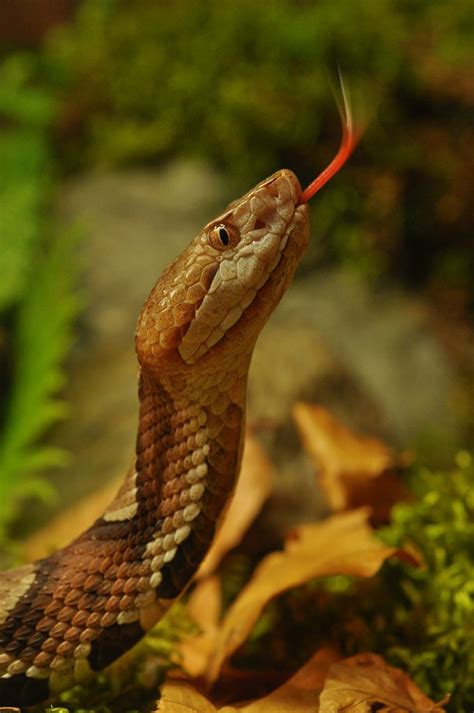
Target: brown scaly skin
{"type": "Point", "coordinates": [82, 607]}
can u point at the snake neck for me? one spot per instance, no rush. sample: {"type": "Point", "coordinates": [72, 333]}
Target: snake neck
{"type": "Point", "coordinates": [188, 451]}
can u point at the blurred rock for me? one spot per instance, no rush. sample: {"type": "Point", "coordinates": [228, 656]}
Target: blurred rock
{"type": "Point", "coordinates": [135, 224]}
{"type": "Point", "coordinates": [384, 339]}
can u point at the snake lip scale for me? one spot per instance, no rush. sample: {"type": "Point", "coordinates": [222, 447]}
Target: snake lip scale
{"type": "Point", "coordinates": [76, 611]}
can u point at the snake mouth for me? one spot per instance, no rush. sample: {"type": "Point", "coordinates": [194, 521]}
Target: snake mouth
{"type": "Point", "coordinates": [245, 322]}
{"type": "Point", "coordinates": [279, 234]}
{"type": "Point", "coordinates": [279, 273]}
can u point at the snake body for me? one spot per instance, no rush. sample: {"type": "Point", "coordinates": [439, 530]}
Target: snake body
{"type": "Point", "coordinates": [79, 609]}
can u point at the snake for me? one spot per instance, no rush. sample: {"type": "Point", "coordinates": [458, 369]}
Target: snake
{"type": "Point", "coordinates": [68, 615]}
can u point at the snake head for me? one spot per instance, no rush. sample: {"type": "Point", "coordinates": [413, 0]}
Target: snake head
{"type": "Point", "coordinates": [216, 296]}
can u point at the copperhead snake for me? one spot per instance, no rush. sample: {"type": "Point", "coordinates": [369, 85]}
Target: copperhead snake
{"type": "Point", "coordinates": [79, 609]}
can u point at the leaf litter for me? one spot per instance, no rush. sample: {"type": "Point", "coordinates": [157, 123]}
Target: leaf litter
{"type": "Point", "coordinates": [351, 469]}
{"type": "Point", "coordinates": [345, 543]}
{"type": "Point", "coordinates": [360, 684]}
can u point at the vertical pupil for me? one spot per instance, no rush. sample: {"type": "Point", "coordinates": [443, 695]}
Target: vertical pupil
{"type": "Point", "coordinates": [223, 236]}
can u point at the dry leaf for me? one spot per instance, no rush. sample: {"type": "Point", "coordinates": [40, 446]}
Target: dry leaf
{"type": "Point", "coordinates": [204, 607]}
{"type": "Point", "coordinates": [297, 695]}
{"type": "Point", "coordinates": [180, 697]}
{"type": "Point", "coordinates": [353, 470]}
{"type": "Point", "coordinates": [253, 488]}
{"type": "Point", "coordinates": [69, 524]}
{"type": "Point", "coordinates": [365, 683]}
{"type": "Point", "coordinates": [342, 544]}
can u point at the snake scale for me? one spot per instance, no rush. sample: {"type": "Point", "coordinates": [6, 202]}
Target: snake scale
{"type": "Point", "coordinates": [79, 609]}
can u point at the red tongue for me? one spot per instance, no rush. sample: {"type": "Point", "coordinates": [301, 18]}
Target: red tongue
{"type": "Point", "coordinates": [348, 143]}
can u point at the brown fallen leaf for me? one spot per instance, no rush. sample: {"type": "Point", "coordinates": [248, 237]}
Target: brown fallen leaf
{"type": "Point", "coordinates": [365, 683]}
{"type": "Point", "coordinates": [342, 544]}
{"type": "Point", "coordinates": [182, 697]}
{"type": "Point", "coordinates": [352, 470]}
{"type": "Point", "coordinates": [299, 694]}
{"type": "Point", "coordinates": [253, 488]}
{"type": "Point", "coordinates": [204, 607]}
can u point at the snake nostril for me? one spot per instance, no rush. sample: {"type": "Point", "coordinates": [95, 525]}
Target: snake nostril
{"type": "Point", "coordinates": [259, 224]}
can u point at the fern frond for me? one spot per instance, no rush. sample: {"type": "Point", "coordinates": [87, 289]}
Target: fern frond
{"type": "Point", "coordinates": [43, 334]}
{"type": "Point", "coordinates": [24, 175]}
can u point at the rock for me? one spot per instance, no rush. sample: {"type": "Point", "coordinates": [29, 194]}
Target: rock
{"type": "Point", "coordinates": [135, 224]}
{"type": "Point", "coordinates": [383, 337]}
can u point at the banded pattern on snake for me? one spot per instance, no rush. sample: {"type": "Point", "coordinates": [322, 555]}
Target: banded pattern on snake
{"type": "Point", "coordinates": [79, 609]}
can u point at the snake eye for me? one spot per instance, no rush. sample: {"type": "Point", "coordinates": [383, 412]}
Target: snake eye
{"type": "Point", "coordinates": [224, 236]}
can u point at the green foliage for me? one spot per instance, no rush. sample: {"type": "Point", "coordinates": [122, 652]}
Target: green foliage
{"type": "Point", "coordinates": [245, 90]}
{"type": "Point", "coordinates": [25, 171]}
{"type": "Point", "coordinates": [41, 339]}
{"type": "Point", "coordinates": [37, 280]}
{"type": "Point", "coordinates": [248, 90]}
{"type": "Point", "coordinates": [432, 620]}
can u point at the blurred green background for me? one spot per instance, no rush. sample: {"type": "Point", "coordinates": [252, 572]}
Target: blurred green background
{"type": "Point", "coordinates": [102, 87]}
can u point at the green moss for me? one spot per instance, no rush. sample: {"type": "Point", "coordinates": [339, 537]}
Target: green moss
{"type": "Point", "coordinates": [431, 624]}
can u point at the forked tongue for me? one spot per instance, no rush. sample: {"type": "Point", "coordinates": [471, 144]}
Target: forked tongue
{"type": "Point", "coordinates": [350, 137]}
